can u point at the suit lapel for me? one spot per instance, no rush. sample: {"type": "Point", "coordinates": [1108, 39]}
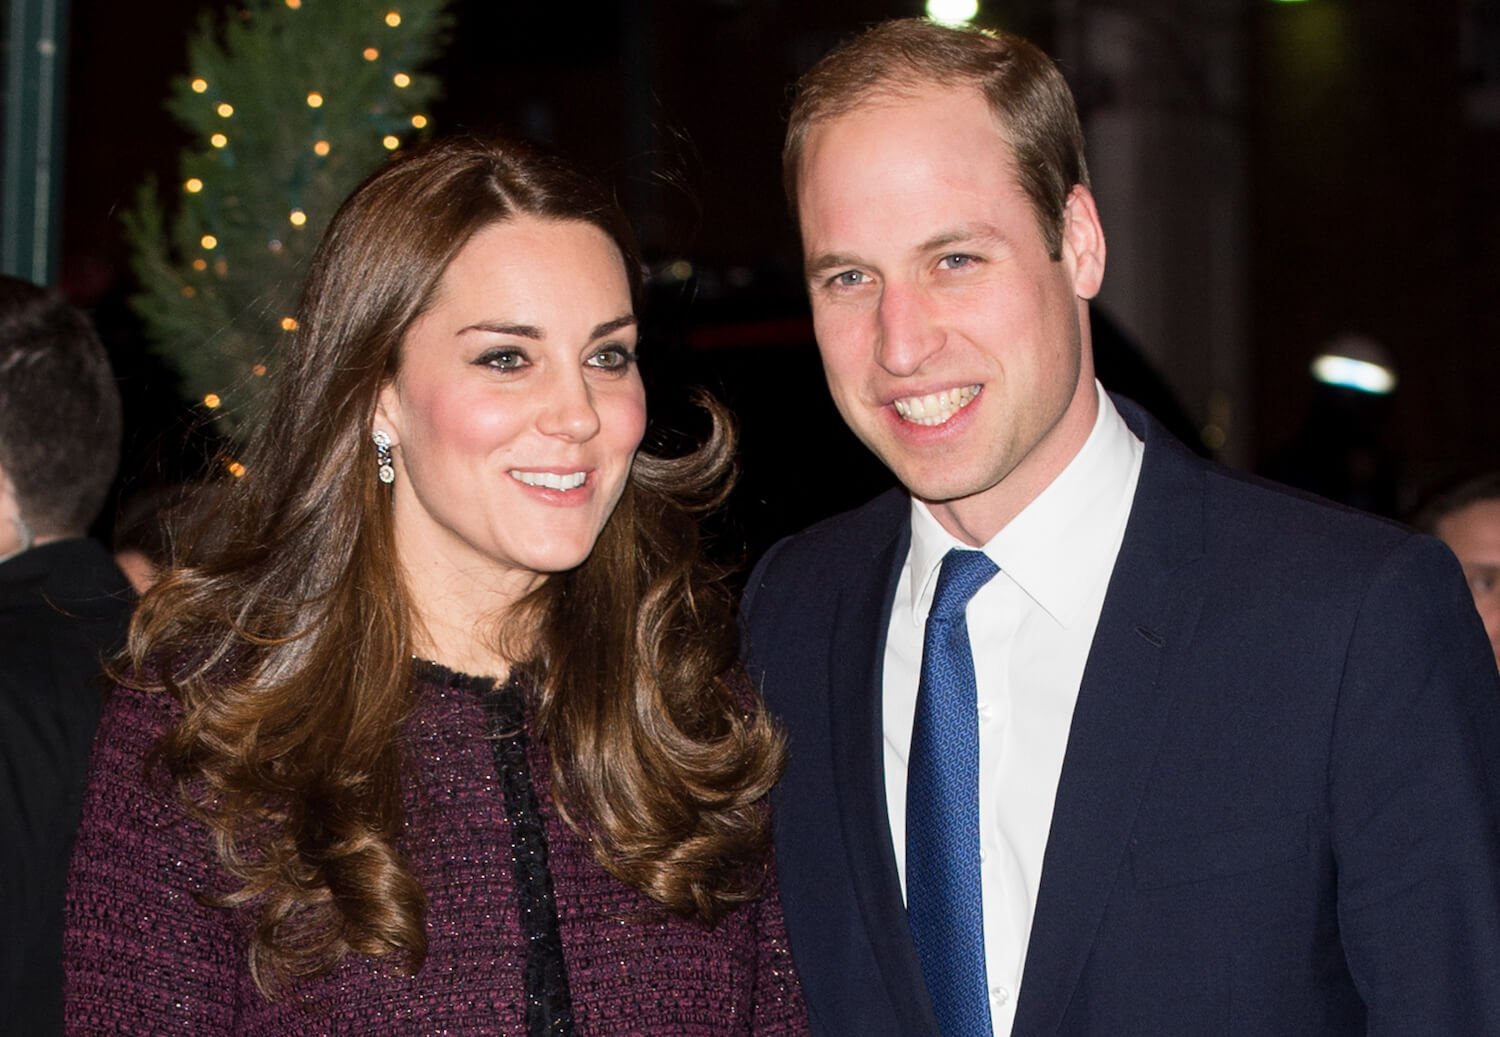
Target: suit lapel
{"type": "Point", "coordinates": [1149, 611]}
{"type": "Point", "coordinates": [856, 666]}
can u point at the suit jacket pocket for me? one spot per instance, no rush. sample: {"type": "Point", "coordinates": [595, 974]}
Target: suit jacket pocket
{"type": "Point", "coordinates": [1161, 863]}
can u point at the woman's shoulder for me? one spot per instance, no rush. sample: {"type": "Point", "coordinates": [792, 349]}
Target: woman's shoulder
{"type": "Point", "coordinates": [128, 782]}
{"type": "Point", "coordinates": [135, 718]}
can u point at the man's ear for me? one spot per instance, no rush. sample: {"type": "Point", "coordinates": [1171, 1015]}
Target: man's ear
{"type": "Point", "coordinates": [1083, 242]}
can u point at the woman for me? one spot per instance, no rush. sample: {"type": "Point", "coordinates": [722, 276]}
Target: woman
{"type": "Point", "coordinates": [553, 821]}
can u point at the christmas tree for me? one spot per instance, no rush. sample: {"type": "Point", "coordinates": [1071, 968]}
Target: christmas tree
{"type": "Point", "coordinates": [290, 104]}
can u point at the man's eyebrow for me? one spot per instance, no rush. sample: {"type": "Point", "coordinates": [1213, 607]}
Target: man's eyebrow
{"type": "Point", "coordinates": [828, 261]}
{"type": "Point", "coordinates": [980, 232]}
{"type": "Point", "coordinates": [971, 233]}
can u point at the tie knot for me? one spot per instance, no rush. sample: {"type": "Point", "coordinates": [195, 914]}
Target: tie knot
{"type": "Point", "coordinates": [960, 578]}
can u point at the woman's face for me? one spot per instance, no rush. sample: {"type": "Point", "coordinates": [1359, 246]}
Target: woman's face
{"type": "Point", "coordinates": [516, 409]}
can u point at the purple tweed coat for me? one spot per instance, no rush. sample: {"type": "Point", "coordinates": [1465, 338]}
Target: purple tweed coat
{"type": "Point", "coordinates": [143, 956]}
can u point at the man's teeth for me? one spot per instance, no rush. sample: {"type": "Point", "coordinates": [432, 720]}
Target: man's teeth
{"type": "Point", "coordinates": [550, 480]}
{"type": "Point", "coordinates": [935, 408]}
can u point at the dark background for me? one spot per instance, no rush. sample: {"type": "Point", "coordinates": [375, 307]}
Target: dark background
{"type": "Point", "coordinates": [1373, 203]}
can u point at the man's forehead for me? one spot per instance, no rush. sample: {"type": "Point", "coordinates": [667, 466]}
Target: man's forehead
{"type": "Point", "coordinates": [888, 99]}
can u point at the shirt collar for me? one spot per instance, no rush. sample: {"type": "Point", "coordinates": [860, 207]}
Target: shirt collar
{"type": "Point", "coordinates": [1064, 541]}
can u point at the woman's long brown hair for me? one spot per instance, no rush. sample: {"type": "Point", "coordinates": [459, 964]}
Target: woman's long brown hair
{"type": "Point", "coordinates": [285, 627]}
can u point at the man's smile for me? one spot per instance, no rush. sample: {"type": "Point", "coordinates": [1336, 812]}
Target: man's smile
{"type": "Point", "coordinates": [935, 408]}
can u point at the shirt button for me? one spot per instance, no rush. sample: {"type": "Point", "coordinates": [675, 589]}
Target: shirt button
{"type": "Point", "coordinates": [999, 995]}
{"type": "Point", "coordinates": [983, 709]}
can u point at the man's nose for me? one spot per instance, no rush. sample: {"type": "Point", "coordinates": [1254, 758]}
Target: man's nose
{"type": "Point", "coordinates": [909, 331]}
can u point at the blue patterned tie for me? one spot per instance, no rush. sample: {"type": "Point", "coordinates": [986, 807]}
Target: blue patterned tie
{"type": "Point", "coordinates": [943, 903]}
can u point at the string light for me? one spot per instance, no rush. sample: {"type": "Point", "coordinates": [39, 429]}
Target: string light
{"type": "Point", "coordinates": [391, 142]}
{"type": "Point", "coordinates": [221, 267]}
{"type": "Point", "coordinates": [295, 5]}
{"type": "Point", "coordinates": [371, 54]}
{"type": "Point", "coordinates": [952, 12]}
{"type": "Point", "coordinates": [208, 241]}
{"type": "Point", "coordinates": [199, 85]}
{"type": "Point", "coordinates": [218, 140]}
{"type": "Point", "coordinates": [225, 109]}
{"type": "Point", "coordinates": [321, 148]}
{"type": "Point", "coordinates": [402, 80]}
{"type": "Point", "coordinates": [419, 121]}
{"type": "Point", "coordinates": [212, 401]}
{"type": "Point", "coordinates": [393, 18]}
{"type": "Point", "coordinates": [200, 264]}
{"type": "Point", "coordinates": [192, 185]}
{"type": "Point", "coordinates": [236, 469]}
{"type": "Point", "coordinates": [188, 291]}
{"type": "Point", "coordinates": [297, 217]}
{"type": "Point", "coordinates": [287, 324]}
{"type": "Point", "coordinates": [259, 370]}
{"type": "Point", "coordinates": [314, 99]}
{"type": "Point", "coordinates": [274, 245]}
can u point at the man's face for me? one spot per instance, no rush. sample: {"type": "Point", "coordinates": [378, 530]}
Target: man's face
{"type": "Point", "coordinates": [1473, 533]}
{"type": "Point", "coordinates": [14, 536]}
{"type": "Point", "coordinates": [954, 346]}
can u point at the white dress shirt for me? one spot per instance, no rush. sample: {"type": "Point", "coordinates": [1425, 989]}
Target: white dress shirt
{"type": "Point", "coordinates": [1030, 627]}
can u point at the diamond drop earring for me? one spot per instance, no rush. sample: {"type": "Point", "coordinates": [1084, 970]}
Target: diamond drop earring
{"type": "Point", "coordinates": [384, 468]}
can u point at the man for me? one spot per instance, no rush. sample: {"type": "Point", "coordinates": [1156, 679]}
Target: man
{"type": "Point", "coordinates": [1467, 519]}
{"type": "Point", "coordinates": [62, 604]}
{"type": "Point", "coordinates": [1198, 756]}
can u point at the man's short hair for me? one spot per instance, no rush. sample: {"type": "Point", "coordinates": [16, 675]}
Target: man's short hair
{"type": "Point", "coordinates": [1455, 498]}
{"type": "Point", "coordinates": [895, 59]}
{"type": "Point", "coordinates": [59, 410]}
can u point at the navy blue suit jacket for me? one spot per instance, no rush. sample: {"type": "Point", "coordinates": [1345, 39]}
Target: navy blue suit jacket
{"type": "Point", "coordinates": [1276, 812]}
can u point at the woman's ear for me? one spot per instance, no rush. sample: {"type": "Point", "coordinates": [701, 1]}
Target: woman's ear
{"type": "Point", "coordinates": [388, 411]}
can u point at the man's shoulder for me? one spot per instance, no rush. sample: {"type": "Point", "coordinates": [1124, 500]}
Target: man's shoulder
{"type": "Point", "coordinates": [1241, 515]}
{"type": "Point", "coordinates": [1254, 515]}
{"type": "Point", "coordinates": [837, 542]}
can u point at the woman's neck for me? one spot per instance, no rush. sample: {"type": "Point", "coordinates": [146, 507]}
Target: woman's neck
{"type": "Point", "coordinates": [460, 642]}
{"type": "Point", "coordinates": [460, 613]}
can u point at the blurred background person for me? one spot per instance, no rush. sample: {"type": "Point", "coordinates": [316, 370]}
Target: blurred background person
{"type": "Point", "coordinates": [141, 537]}
{"type": "Point", "coordinates": [1467, 519]}
{"type": "Point", "coordinates": [451, 733]}
{"type": "Point", "coordinates": [63, 605]}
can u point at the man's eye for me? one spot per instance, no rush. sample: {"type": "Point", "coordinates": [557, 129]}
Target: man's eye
{"type": "Point", "coordinates": [503, 359]}
{"type": "Point", "coordinates": [612, 358]}
{"type": "Point", "coordinates": [848, 279]}
{"type": "Point", "coordinates": [956, 261]}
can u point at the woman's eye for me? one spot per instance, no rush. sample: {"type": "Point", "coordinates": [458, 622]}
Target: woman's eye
{"type": "Point", "coordinates": [612, 358]}
{"type": "Point", "coordinates": [503, 359]}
